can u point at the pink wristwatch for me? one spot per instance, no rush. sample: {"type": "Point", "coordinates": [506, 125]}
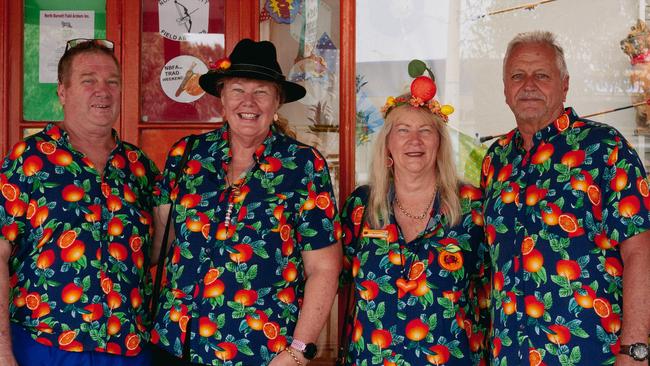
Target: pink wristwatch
{"type": "Point", "coordinates": [309, 350]}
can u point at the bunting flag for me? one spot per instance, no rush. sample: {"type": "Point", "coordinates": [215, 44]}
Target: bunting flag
{"type": "Point", "coordinates": [470, 158]}
{"type": "Point", "coordinates": [283, 11]}
{"type": "Point", "coordinates": [368, 118]}
{"type": "Point", "coordinates": [316, 56]}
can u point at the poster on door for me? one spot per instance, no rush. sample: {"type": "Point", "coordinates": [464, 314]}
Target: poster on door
{"type": "Point", "coordinates": [180, 38]}
{"type": "Point", "coordinates": [179, 78]}
{"type": "Point", "coordinates": [178, 18]}
{"type": "Point", "coordinates": [48, 25]}
{"type": "Point", "coordinates": [57, 27]}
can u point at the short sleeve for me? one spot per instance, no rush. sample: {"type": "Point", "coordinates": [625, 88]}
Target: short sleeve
{"type": "Point", "coordinates": [163, 191]}
{"type": "Point", "coordinates": [624, 198]}
{"type": "Point", "coordinates": [15, 195]}
{"type": "Point", "coordinates": [317, 221]}
{"type": "Point", "coordinates": [351, 219]}
{"type": "Point", "coordinates": [147, 184]}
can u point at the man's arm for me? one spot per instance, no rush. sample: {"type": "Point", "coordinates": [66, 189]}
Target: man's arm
{"type": "Point", "coordinates": [635, 252]}
{"type": "Point", "coordinates": [160, 214]}
{"type": "Point", "coordinates": [322, 268]}
{"type": "Point", "coordinates": [6, 352]}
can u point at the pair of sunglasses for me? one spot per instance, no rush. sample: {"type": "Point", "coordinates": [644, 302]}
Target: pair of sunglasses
{"type": "Point", "coordinates": [80, 41]}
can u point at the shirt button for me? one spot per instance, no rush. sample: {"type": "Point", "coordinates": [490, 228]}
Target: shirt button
{"type": "Point", "coordinates": [208, 250]}
{"type": "Point", "coordinates": [522, 327]}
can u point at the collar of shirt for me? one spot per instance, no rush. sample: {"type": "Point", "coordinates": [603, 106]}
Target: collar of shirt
{"type": "Point", "coordinates": [546, 133]}
{"type": "Point", "coordinates": [60, 136]}
{"type": "Point", "coordinates": [261, 152]}
{"type": "Point", "coordinates": [436, 220]}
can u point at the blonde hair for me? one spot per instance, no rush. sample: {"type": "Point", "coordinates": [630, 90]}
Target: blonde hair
{"type": "Point", "coordinates": [282, 124]}
{"type": "Point", "coordinates": [381, 176]}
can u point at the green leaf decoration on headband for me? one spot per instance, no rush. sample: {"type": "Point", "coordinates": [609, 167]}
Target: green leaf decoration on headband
{"type": "Point", "coordinates": [418, 67]}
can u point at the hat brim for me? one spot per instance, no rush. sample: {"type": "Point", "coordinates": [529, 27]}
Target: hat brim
{"type": "Point", "coordinates": [209, 80]}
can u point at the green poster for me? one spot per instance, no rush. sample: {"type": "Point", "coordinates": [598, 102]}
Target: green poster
{"type": "Point", "coordinates": [48, 25]}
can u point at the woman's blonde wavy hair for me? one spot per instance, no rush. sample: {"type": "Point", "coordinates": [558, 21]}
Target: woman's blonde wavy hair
{"type": "Point", "coordinates": [381, 176]}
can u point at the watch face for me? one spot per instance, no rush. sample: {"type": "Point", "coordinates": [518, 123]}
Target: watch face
{"type": "Point", "coordinates": [310, 351]}
{"type": "Point", "coordinates": [639, 351]}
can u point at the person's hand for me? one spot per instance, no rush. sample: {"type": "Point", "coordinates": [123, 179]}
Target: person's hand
{"type": "Point", "coordinates": [7, 359]}
{"type": "Point", "coordinates": [285, 359]}
{"type": "Point", "coordinates": [625, 360]}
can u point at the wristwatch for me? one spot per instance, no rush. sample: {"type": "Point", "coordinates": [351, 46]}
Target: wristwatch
{"type": "Point", "coordinates": [308, 350]}
{"type": "Point", "coordinates": [638, 351]}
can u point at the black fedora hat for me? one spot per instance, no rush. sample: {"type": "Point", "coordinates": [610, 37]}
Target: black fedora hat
{"type": "Point", "coordinates": [253, 60]}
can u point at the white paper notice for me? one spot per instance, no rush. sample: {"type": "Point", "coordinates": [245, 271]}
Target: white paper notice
{"type": "Point", "coordinates": [178, 18]}
{"type": "Point", "coordinates": [180, 78]}
{"type": "Point", "coordinates": [56, 28]}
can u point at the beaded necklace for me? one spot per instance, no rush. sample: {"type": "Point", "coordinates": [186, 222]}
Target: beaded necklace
{"type": "Point", "coordinates": [235, 187]}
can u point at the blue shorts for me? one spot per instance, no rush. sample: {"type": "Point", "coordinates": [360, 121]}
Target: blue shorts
{"type": "Point", "coordinates": [28, 352]}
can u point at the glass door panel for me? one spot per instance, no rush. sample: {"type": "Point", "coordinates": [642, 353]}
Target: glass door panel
{"type": "Point", "coordinates": [307, 34]}
{"type": "Point", "coordinates": [307, 41]}
{"type": "Point", "coordinates": [180, 39]}
{"type": "Point", "coordinates": [48, 25]}
{"type": "Point", "coordinates": [464, 43]}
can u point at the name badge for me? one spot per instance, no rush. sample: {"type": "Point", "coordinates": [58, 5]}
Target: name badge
{"type": "Point", "coordinates": [379, 234]}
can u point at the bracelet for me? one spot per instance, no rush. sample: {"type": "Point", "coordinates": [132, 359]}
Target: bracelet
{"type": "Point", "coordinates": [288, 349]}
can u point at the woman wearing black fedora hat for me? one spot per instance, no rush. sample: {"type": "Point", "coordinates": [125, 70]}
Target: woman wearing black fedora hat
{"type": "Point", "coordinates": [254, 255]}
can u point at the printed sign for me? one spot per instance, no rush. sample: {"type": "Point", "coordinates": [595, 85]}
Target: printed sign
{"type": "Point", "coordinates": [57, 27]}
{"type": "Point", "coordinates": [179, 78]}
{"type": "Point", "coordinates": [177, 18]}
{"type": "Point", "coordinates": [47, 25]}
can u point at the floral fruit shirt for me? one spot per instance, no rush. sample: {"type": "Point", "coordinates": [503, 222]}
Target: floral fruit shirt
{"type": "Point", "coordinates": [235, 287]}
{"type": "Point", "coordinates": [413, 302]}
{"type": "Point", "coordinates": [80, 242]}
{"type": "Point", "coordinates": [554, 218]}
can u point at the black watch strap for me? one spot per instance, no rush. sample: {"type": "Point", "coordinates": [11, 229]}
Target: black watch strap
{"type": "Point", "coordinates": [638, 351]}
{"type": "Point", "coordinates": [310, 351]}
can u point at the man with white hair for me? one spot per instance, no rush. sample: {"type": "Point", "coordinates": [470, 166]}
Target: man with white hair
{"type": "Point", "coordinates": [566, 220]}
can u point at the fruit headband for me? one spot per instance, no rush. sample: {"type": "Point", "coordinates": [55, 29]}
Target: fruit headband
{"type": "Point", "coordinates": [423, 89]}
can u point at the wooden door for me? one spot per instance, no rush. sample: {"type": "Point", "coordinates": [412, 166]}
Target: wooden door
{"type": "Point", "coordinates": [151, 117]}
{"type": "Point", "coordinates": [130, 25]}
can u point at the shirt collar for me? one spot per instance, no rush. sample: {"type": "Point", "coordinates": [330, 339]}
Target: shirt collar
{"type": "Point", "coordinates": [558, 126]}
{"type": "Point", "coordinates": [60, 136]}
{"type": "Point", "coordinates": [262, 151]}
{"type": "Point", "coordinates": [435, 221]}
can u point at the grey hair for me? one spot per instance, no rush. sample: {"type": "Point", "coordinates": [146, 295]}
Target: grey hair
{"type": "Point", "coordinates": [543, 37]}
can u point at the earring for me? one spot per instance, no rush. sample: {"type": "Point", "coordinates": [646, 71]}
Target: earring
{"type": "Point", "coordinates": [275, 117]}
{"type": "Point", "coordinates": [389, 162]}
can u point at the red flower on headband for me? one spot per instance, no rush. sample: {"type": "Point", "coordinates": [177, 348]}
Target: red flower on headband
{"type": "Point", "coordinates": [221, 64]}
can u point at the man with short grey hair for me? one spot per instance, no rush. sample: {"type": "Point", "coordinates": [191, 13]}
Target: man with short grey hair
{"type": "Point", "coordinates": [566, 219]}
{"type": "Point", "coordinates": [76, 227]}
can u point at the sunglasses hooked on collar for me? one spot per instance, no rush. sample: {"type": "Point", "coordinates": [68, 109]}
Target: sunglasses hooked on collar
{"type": "Point", "coordinates": [105, 43]}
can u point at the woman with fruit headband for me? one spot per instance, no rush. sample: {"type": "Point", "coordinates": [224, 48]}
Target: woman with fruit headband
{"type": "Point", "coordinates": [411, 255]}
{"type": "Point", "coordinates": [251, 274]}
